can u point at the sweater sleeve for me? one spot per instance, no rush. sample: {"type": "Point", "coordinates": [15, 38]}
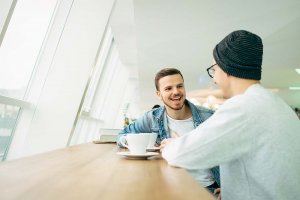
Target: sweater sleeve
{"type": "Point", "coordinates": [225, 136]}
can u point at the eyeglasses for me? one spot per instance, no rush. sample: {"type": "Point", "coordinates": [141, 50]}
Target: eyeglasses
{"type": "Point", "coordinates": [211, 70]}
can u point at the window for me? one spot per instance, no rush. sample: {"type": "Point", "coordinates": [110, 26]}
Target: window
{"type": "Point", "coordinates": [20, 48]}
{"type": "Point", "coordinates": [23, 40]}
{"type": "Point", "coordinates": [103, 102]}
{"type": "Point", "coordinates": [38, 77]}
{"type": "Point", "coordinates": [89, 121]}
{"type": "Point", "coordinates": [8, 118]}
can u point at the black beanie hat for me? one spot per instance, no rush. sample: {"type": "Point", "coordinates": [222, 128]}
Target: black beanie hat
{"type": "Point", "coordinates": [240, 54]}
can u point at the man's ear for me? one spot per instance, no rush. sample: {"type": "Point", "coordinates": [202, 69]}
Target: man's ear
{"type": "Point", "coordinates": [158, 95]}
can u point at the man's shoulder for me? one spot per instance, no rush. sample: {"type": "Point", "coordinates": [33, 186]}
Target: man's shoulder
{"type": "Point", "coordinates": [154, 113]}
{"type": "Point", "coordinates": [157, 112]}
{"type": "Point", "coordinates": [202, 109]}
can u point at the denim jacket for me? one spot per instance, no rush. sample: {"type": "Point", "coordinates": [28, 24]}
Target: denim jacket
{"type": "Point", "coordinates": [155, 121]}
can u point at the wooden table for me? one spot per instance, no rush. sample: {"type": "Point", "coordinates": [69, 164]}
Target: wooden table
{"type": "Point", "coordinates": [94, 171]}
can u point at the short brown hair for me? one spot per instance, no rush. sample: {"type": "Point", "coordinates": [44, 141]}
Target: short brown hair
{"type": "Point", "coordinates": [165, 72]}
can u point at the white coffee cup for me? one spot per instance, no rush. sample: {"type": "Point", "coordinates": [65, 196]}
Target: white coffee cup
{"type": "Point", "coordinates": [137, 143]}
{"type": "Point", "coordinates": [152, 140]}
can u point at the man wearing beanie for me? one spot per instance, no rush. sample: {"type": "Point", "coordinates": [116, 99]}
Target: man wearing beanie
{"type": "Point", "coordinates": [253, 137]}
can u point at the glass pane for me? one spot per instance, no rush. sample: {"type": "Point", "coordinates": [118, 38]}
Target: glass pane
{"type": "Point", "coordinates": [21, 45]}
{"type": "Point", "coordinates": [88, 123]}
{"type": "Point", "coordinates": [8, 118]}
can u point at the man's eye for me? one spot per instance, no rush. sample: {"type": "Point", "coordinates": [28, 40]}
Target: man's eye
{"type": "Point", "coordinates": [167, 89]}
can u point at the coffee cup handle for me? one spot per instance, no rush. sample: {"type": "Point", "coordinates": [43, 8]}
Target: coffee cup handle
{"type": "Point", "coordinates": [124, 144]}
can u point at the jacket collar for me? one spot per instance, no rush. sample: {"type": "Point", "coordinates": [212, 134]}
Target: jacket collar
{"type": "Point", "coordinates": [159, 112]}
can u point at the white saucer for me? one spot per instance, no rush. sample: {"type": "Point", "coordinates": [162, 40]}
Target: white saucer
{"type": "Point", "coordinates": [129, 155]}
{"type": "Point", "coordinates": [153, 148]}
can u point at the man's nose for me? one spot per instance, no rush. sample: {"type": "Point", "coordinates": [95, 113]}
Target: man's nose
{"type": "Point", "coordinates": [175, 90]}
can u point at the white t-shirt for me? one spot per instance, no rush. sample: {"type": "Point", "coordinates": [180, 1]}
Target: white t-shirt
{"type": "Point", "coordinates": [180, 127]}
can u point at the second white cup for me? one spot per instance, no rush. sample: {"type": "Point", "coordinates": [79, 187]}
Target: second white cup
{"type": "Point", "coordinates": [152, 140]}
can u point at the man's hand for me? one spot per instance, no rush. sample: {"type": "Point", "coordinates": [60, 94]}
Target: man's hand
{"type": "Point", "coordinates": [217, 193]}
{"type": "Point", "coordinates": [164, 143]}
{"type": "Point", "coordinates": [174, 134]}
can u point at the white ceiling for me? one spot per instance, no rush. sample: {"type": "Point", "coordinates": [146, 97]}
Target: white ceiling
{"type": "Point", "coordinates": [154, 34]}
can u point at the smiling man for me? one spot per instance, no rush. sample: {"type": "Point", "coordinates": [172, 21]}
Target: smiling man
{"type": "Point", "coordinates": [177, 117]}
